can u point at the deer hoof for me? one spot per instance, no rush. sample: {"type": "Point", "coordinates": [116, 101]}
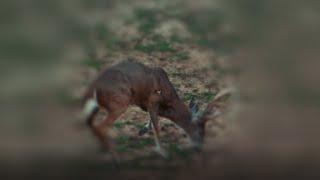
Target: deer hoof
{"type": "Point", "coordinates": [162, 152]}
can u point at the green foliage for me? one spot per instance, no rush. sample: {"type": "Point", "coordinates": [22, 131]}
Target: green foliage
{"type": "Point", "coordinates": [163, 46]}
{"type": "Point", "coordinates": [122, 139]}
{"type": "Point", "coordinates": [144, 48]}
{"type": "Point", "coordinates": [180, 56]}
{"type": "Point", "coordinates": [167, 124]}
{"type": "Point", "coordinates": [104, 34]}
{"type": "Point", "coordinates": [121, 123]}
{"type": "Point", "coordinates": [121, 143]}
{"type": "Point", "coordinates": [207, 96]}
{"type": "Point", "coordinates": [121, 148]}
{"type": "Point", "coordinates": [203, 22]}
{"type": "Point", "coordinates": [139, 126]}
{"type": "Point", "coordinates": [158, 45]}
{"type": "Point", "coordinates": [188, 96]}
{"type": "Point", "coordinates": [175, 149]}
{"type": "Point", "coordinates": [176, 38]}
{"type": "Point", "coordinates": [147, 19]}
{"type": "Point", "coordinates": [147, 26]}
{"type": "Point", "coordinates": [205, 26]}
{"type": "Point", "coordinates": [95, 64]}
{"type": "Point", "coordinates": [118, 124]}
{"type": "Point", "coordinates": [141, 143]}
{"type": "Point", "coordinates": [114, 43]}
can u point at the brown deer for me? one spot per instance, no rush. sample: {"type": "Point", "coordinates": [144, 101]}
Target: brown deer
{"type": "Point", "coordinates": [132, 83]}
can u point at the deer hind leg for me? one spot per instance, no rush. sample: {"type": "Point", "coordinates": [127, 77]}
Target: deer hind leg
{"type": "Point", "coordinates": [114, 107]}
{"type": "Point", "coordinates": [99, 130]}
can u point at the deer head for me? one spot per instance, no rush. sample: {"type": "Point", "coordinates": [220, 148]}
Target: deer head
{"type": "Point", "coordinates": [199, 119]}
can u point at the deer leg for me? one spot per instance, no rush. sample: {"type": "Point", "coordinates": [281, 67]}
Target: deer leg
{"type": "Point", "coordinates": [146, 128]}
{"type": "Point", "coordinates": [115, 104]}
{"type": "Point", "coordinates": [155, 128]}
{"type": "Point", "coordinates": [158, 148]}
{"type": "Point", "coordinates": [100, 129]}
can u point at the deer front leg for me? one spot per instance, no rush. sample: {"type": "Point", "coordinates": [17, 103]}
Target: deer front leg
{"type": "Point", "coordinates": [155, 127]}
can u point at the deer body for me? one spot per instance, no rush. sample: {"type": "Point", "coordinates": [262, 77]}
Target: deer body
{"type": "Point", "coordinates": [132, 83]}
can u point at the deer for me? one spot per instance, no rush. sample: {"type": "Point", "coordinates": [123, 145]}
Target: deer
{"type": "Point", "coordinates": [132, 83]}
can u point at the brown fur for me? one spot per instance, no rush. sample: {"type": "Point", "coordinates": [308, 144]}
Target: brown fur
{"type": "Point", "coordinates": [132, 83]}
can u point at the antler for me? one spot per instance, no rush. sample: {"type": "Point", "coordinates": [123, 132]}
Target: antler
{"type": "Point", "coordinates": [216, 106]}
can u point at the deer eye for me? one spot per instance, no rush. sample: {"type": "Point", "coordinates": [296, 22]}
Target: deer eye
{"type": "Point", "coordinates": [158, 91]}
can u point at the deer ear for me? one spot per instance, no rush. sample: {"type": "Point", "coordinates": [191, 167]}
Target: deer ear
{"type": "Point", "coordinates": [216, 107]}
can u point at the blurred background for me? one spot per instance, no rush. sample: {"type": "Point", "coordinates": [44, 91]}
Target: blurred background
{"type": "Point", "coordinates": [266, 51]}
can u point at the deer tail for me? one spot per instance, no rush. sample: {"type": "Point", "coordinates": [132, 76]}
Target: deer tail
{"type": "Point", "coordinates": [90, 105]}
